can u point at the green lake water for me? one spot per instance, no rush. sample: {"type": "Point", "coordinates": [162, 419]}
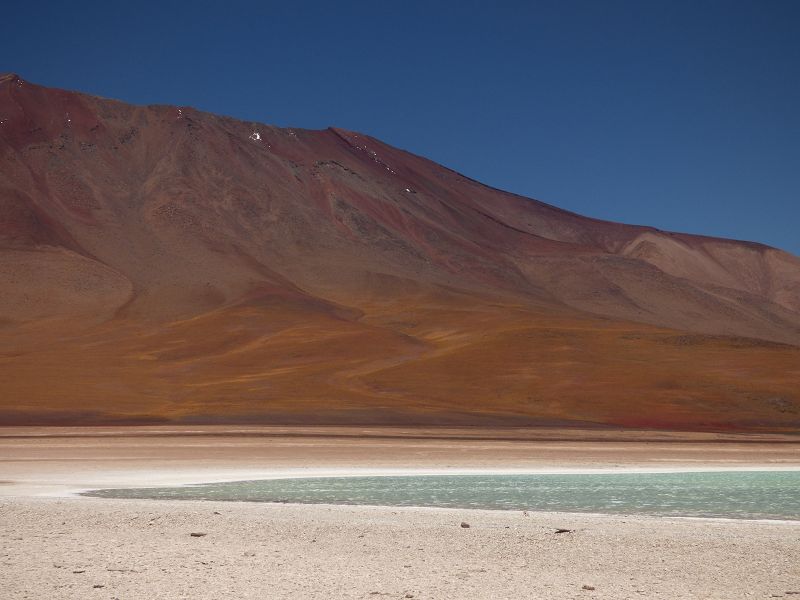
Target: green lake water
{"type": "Point", "coordinates": [728, 494]}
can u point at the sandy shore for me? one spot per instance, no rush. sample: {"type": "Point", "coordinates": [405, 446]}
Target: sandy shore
{"type": "Point", "coordinates": [36, 461]}
{"type": "Point", "coordinates": [67, 548]}
{"type": "Point", "coordinates": [56, 546]}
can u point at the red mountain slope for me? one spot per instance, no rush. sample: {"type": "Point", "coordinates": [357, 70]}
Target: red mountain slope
{"type": "Point", "coordinates": [163, 264]}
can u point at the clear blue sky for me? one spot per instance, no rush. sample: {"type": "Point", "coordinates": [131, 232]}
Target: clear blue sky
{"type": "Point", "coordinates": [684, 115]}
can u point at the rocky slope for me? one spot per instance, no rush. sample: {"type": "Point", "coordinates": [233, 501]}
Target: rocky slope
{"type": "Point", "coordinates": [160, 264]}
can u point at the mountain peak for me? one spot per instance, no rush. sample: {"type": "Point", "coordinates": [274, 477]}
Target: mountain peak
{"type": "Point", "coordinates": [10, 78]}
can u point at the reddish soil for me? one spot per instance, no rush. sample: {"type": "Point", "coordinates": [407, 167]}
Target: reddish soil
{"type": "Point", "coordinates": [160, 264]}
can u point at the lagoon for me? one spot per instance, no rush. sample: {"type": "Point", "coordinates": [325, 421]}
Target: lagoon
{"type": "Point", "coordinates": [721, 494]}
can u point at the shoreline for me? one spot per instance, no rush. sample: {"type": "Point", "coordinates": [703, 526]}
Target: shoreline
{"type": "Point", "coordinates": [355, 473]}
{"type": "Point", "coordinates": [60, 545]}
{"type": "Point", "coordinates": [186, 479]}
{"type": "Point", "coordinates": [556, 514]}
{"type": "Point", "coordinates": [48, 462]}
{"type": "Point", "coordinates": [71, 548]}
{"type": "Point", "coordinates": [414, 508]}
{"type": "Point", "coordinates": [411, 472]}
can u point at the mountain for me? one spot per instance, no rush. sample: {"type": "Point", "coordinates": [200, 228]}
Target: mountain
{"type": "Point", "coordinates": [159, 264]}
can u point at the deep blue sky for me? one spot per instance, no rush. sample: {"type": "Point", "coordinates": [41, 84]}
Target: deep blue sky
{"type": "Point", "coordinates": [684, 115]}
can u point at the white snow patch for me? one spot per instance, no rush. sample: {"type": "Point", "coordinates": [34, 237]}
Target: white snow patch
{"type": "Point", "coordinates": [408, 190]}
{"type": "Point", "coordinates": [255, 136]}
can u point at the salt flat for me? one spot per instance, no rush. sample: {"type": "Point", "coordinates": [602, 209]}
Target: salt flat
{"type": "Point", "coordinates": [58, 546]}
{"type": "Point", "coordinates": [63, 548]}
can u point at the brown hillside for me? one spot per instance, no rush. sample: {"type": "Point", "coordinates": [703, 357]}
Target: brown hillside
{"type": "Point", "coordinates": [160, 264]}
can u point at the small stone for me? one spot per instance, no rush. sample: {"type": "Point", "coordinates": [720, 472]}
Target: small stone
{"type": "Point", "coordinates": [217, 513]}
{"type": "Point", "coordinates": [97, 586]}
{"type": "Point", "coordinates": [195, 534]}
{"type": "Point", "coordinates": [464, 525]}
{"type": "Point", "coordinates": [81, 571]}
{"type": "Point", "coordinates": [589, 588]}
{"type": "Point", "coordinates": [562, 530]}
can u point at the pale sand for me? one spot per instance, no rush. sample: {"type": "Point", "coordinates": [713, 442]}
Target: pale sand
{"type": "Point", "coordinates": [142, 549]}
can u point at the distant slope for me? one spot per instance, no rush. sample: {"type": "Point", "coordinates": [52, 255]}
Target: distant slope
{"type": "Point", "coordinates": [160, 264]}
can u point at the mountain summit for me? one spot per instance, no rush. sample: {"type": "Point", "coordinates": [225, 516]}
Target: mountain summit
{"type": "Point", "coordinates": [161, 264]}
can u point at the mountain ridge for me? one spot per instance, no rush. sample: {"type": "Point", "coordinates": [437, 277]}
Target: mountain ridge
{"type": "Point", "coordinates": [225, 267]}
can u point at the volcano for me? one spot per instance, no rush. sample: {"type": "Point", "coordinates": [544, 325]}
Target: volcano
{"type": "Point", "coordinates": [160, 264]}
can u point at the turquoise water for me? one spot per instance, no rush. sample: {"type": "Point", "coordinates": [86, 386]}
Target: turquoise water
{"type": "Point", "coordinates": [730, 494]}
